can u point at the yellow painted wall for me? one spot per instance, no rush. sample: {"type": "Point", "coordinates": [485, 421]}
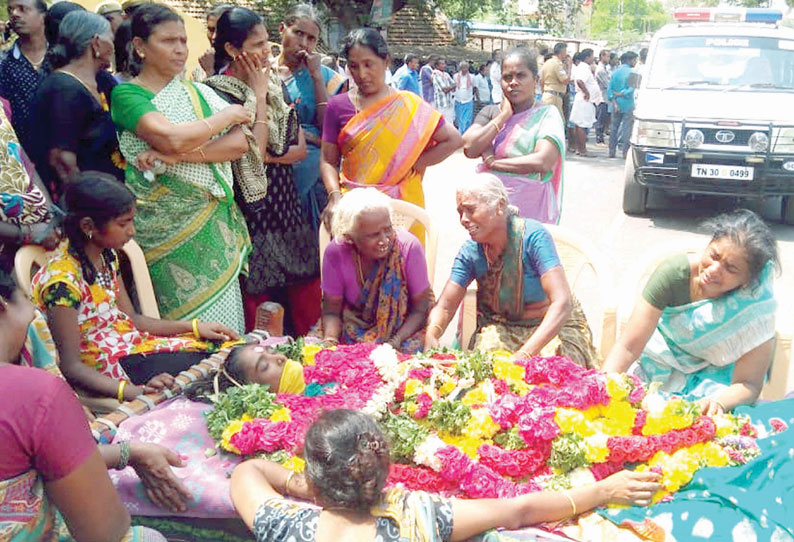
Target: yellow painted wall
{"type": "Point", "coordinates": [197, 41]}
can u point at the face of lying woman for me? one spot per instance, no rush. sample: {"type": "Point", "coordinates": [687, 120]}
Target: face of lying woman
{"type": "Point", "coordinates": [373, 234]}
{"type": "Point", "coordinates": [261, 366]}
{"type": "Point", "coordinates": [723, 267]}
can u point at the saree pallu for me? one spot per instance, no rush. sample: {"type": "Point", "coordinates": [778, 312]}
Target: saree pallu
{"type": "Point", "coordinates": [694, 347]}
{"type": "Point", "coordinates": [501, 324]}
{"type": "Point", "coordinates": [382, 307]}
{"type": "Point", "coordinates": [192, 233]}
{"type": "Point", "coordinates": [536, 196]}
{"type": "Point", "coordinates": [26, 515]}
{"type": "Point", "coordinates": [381, 144]}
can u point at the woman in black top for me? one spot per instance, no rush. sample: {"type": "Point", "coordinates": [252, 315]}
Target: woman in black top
{"type": "Point", "coordinates": [75, 131]}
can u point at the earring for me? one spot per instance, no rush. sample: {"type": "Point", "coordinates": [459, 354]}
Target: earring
{"type": "Point", "coordinates": [90, 235]}
{"type": "Point", "coordinates": [96, 54]}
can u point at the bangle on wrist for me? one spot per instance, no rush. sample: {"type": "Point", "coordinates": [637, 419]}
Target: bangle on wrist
{"type": "Point", "coordinates": [120, 390]}
{"type": "Point", "coordinates": [195, 323]}
{"type": "Point", "coordinates": [260, 122]}
{"type": "Point", "coordinates": [287, 481]}
{"type": "Point", "coordinates": [335, 190]}
{"type": "Point", "coordinates": [440, 330]}
{"type": "Point", "coordinates": [320, 104]}
{"type": "Point", "coordinates": [209, 126]}
{"type": "Point", "coordinates": [570, 500]}
{"type": "Point", "coordinates": [124, 455]}
{"type": "Point", "coordinates": [495, 125]}
{"type": "Point", "coordinates": [331, 340]}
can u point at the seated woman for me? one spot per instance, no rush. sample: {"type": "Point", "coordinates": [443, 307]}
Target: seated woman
{"type": "Point", "coordinates": [521, 141]}
{"type": "Point", "coordinates": [102, 342]}
{"type": "Point", "coordinates": [347, 462]}
{"type": "Point", "coordinates": [49, 461]}
{"type": "Point", "coordinates": [374, 280]}
{"type": "Point", "coordinates": [519, 316]}
{"type": "Point", "coordinates": [705, 324]}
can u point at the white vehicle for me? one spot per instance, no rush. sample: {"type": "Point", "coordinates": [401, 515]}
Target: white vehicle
{"type": "Point", "coordinates": [715, 109]}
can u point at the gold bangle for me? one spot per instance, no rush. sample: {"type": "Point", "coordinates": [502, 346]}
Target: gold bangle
{"type": "Point", "coordinates": [201, 152]}
{"type": "Point", "coordinates": [570, 500]}
{"type": "Point", "coordinates": [440, 330]}
{"type": "Point", "coordinates": [196, 333]}
{"type": "Point", "coordinates": [321, 103]}
{"type": "Point", "coordinates": [209, 126]}
{"type": "Point", "coordinates": [334, 190]}
{"type": "Point", "coordinates": [120, 391]}
{"type": "Point", "coordinates": [495, 124]}
{"type": "Point", "coordinates": [260, 122]}
{"type": "Point", "coordinates": [286, 483]}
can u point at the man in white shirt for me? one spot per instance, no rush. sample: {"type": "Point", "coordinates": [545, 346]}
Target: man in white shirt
{"type": "Point", "coordinates": [482, 90]}
{"type": "Point", "coordinates": [464, 97]}
{"type": "Point", "coordinates": [496, 77]}
{"type": "Point", "coordinates": [443, 86]}
{"type": "Point", "coordinates": [583, 111]}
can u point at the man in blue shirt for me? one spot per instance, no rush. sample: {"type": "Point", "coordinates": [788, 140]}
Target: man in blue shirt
{"type": "Point", "coordinates": [622, 97]}
{"type": "Point", "coordinates": [407, 76]}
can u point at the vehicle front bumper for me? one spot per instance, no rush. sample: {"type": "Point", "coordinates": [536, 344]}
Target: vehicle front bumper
{"type": "Point", "coordinates": [673, 173]}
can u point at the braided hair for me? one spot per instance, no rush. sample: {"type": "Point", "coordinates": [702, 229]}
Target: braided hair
{"type": "Point", "coordinates": [347, 459]}
{"type": "Point", "coordinates": [100, 197]}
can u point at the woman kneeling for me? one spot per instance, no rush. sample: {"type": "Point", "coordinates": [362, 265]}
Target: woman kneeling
{"type": "Point", "coordinates": [522, 316]}
{"type": "Point", "coordinates": [375, 285]}
{"type": "Point", "coordinates": [705, 324]}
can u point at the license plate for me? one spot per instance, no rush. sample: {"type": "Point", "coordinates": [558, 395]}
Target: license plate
{"type": "Point", "coordinates": [719, 171]}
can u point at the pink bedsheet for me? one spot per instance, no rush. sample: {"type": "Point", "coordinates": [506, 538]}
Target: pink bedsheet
{"type": "Point", "coordinates": [178, 424]}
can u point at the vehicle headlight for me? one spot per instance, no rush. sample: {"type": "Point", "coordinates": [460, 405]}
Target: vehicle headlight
{"type": "Point", "coordinates": [784, 142]}
{"type": "Point", "coordinates": [758, 142]}
{"type": "Point", "coordinates": [654, 134]}
{"type": "Point", "coordinates": [693, 139]}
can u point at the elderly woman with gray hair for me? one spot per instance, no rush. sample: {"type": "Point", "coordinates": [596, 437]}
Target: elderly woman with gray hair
{"type": "Point", "coordinates": [532, 316]}
{"type": "Point", "coordinates": [74, 130]}
{"type": "Point", "coordinates": [374, 279]}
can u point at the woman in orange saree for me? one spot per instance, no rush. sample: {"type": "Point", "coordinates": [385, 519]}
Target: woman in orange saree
{"type": "Point", "coordinates": [379, 136]}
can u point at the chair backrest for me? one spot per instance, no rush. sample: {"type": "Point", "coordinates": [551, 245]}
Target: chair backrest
{"type": "Point", "coordinates": [404, 215]}
{"type": "Point", "coordinates": [591, 281]}
{"type": "Point", "coordinates": [30, 258]}
{"type": "Point", "coordinates": [27, 261]}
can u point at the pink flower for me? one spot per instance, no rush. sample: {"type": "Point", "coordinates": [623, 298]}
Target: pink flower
{"type": "Point", "coordinates": [778, 425]}
{"type": "Point", "coordinates": [423, 402]}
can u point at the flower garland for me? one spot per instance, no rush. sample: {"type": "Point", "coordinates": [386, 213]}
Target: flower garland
{"type": "Point", "coordinates": [484, 425]}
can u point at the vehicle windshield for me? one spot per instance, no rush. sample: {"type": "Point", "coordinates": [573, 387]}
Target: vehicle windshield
{"type": "Point", "coordinates": [729, 62]}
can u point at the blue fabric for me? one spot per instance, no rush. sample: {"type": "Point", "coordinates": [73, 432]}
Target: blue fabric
{"type": "Point", "coordinates": [308, 184]}
{"type": "Point", "coordinates": [300, 94]}
{"type": "Point", "coordinates": [619, 82]}
{"type": "Point", "coordinates": [539, 254]}
{"type": "Point", "coordinates": [426, 76]}
{"type": "Point", "coordinates": [749, 502]}
{"type": "Point", "coordinates": [407, 79]}
{"type": "Point", "coordinates": [620, 132]}
{"type": "Point", "coordinates": [464, 113]}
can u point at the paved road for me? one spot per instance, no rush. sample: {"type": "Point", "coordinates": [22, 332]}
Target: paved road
{"type": "Point", "coordinates": [592, 206]}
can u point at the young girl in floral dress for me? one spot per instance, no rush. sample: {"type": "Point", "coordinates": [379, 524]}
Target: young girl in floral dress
{"type": "Point", "coordinates": [106, 349]}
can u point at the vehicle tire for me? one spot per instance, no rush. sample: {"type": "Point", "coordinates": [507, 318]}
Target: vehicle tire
{"type": "Point", "coordinates": [635, 195]}
{"type": "Point", "coordinates": [788, 210]}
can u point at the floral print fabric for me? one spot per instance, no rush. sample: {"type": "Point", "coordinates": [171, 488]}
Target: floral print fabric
{"type": "Point", "coordinates": [107, 333]}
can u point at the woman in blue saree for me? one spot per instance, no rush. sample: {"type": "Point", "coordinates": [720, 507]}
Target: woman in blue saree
{"type": "Point", "coordinates": [705, 325]}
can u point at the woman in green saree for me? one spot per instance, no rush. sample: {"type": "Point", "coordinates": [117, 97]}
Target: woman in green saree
{"type": "Point", "coordinates": [178, 139]}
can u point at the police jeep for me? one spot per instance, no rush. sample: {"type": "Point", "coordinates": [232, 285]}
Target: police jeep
{"type": "Point", "coordinates": [715, 110]}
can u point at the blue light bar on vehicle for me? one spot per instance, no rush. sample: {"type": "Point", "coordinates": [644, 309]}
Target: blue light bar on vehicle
{"type": "Point", "coordinates": [728, 14]}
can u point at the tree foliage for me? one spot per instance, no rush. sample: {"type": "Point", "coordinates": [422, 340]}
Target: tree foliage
{"type": "Point", "coordinates": [633, 17]}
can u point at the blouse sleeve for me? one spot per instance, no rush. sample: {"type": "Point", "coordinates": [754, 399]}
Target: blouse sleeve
{"type": "Point", "coordinates": [332, 121]}
{"type": "Point", "coordinates": [539, 246]}
{"type": "Point", "coordinates": [279, 519]}
{"type": "Point", "coordinates": [487, 114]}
{"type": "Point", "coordinates": [465, 267]}
{"type": "Point", "coordinates": [60, 419]}
{"type": "Point", "coordinates": [129, 102]}
{"type": "Point", "coordinates": [668, 286]}
{"type": "Point", "coordinates": [415, 266]}
{"type": "Point", "coordinates": [332, 282]}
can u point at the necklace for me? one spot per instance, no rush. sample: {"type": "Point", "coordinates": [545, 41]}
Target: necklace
{"type": "Point", "coordinates": [103, 276]}
{"type": "Point", "coordinates": [359, 269]}
{"type": "Point", "coordinates": [94, 93]}
{"type": "Point", "coordinates": [36, 65]}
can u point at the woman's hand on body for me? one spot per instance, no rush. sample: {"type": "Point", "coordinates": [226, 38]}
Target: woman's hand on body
{"type": "Point", "coordinates": [148, 159]}
{"type": "Point", "coordinates": [256, 74]}
{"type": "Point", "coordinates": [710, 407]}
{"type": "Point", "coordinates": [153, 463]}
{"type": "Point", "coordinates": [215, 331]}
{"type": "Point", "coordinates": [236, 114]}
{"type": "Point", "coordinates": [631, 487]}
